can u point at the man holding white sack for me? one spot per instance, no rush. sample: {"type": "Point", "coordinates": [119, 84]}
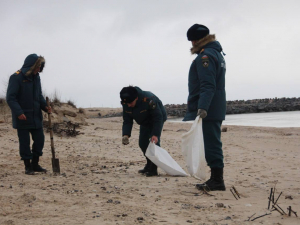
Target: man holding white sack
{"type": "Point", "coordinates": [207, 99]}
{"type": "Point", "coordinates": [148, 111]}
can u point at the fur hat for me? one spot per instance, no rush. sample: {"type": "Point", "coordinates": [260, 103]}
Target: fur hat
{"type": "Point", "coordinates": [128, 94]}
{"type": "Point", "coordinates": [197, 32]}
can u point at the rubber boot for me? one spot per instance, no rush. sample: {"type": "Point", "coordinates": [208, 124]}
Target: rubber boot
{"type": "Point", "coordinates": [146, 168]}
{"type": "Point", "coordinates": [215, 183]}
{"type": "Point", "coordinates": [36, 167]}
{"type": "Point", "coordinates": [152, 170]}
{"type": "Point", "coordinates": [28, 167]}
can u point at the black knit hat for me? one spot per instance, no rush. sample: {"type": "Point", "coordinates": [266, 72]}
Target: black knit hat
{"type": "Point", "coordinates": [128, 94]}
{"type": "Point", "coordinates": [197, 32]}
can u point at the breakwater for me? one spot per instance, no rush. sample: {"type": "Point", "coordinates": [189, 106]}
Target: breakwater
{"type": "Point", "coordinates": [248, 106]}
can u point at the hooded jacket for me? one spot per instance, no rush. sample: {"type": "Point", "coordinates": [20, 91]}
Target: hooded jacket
{"type": "Point", "coordinates": [148, 111]}
{"type": "Point", "coordinates": [24, 95]}
{"type": "Point", "coordinates": [206, 81]}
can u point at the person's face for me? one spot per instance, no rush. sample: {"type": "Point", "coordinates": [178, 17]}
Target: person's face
{"type": "Point", "coordinates": [193, 43]}
{"type": "Point", "coordinates": [132, 104]}
{"type": "Point", "coordinates": [37, 70]}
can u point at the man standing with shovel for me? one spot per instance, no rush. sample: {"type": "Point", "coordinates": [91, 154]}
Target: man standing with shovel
{"type": "Point", "coordinates": [148, 111]}
{"type": "Point", "coordinates": [25, 99]}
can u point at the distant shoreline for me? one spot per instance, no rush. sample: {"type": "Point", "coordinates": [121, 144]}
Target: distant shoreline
{"type": "Point", "coordinates": [233, 107]}
{"type": "Point", "coordinates": [285, 119]}
{"type": "Point", "coordinates": [248, 106]}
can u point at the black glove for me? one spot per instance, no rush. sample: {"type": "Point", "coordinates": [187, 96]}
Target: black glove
{"type": "Point", "coordinates": [125, 140]}
{"type": "Point", "coordinates": [202, 113]}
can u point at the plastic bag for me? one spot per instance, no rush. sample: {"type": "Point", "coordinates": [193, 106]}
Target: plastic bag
{"type": "Point", "coordinates": [193, 150]}
{"type": "Point", "coordinates": [163, 160]}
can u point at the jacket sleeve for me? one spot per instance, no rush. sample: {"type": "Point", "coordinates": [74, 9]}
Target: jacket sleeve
{"type": "Point", "coordinates": [127, 124]}
{"type": "Point", "coordinates": [43, 103]}
{"type": "Point", "coordinates": [207, 77]}
{"type": "Point", "coordinates": [11, 95]}
{"type": "Point", "coordinates": [157, 120]}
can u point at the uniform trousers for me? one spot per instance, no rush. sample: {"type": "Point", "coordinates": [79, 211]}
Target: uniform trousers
{"type": "Point", "coordinates": [145, 135]}
{"type": "Point", "coordinates": [38, 138]}
{"type": "Point", "coordinates": [212, 143]}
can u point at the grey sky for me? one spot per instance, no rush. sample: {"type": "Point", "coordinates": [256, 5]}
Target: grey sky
{"type": "Point", "coordinates": [94, 48]}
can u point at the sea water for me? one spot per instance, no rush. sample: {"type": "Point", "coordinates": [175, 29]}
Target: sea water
{"type": "Point", "coordinates": [271, 119]}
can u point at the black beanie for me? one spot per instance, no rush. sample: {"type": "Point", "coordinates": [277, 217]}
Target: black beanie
{"type": "Point", "coordinates": [128, 94]}
{"type": "Point", "coordinates": [197, 32]}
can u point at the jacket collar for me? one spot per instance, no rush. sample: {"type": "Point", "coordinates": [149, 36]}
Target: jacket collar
{"type": "Point", "coordinates": [202, 42]}
{"type": "Point", "coordinates": [140, 96]}
{"type": "Point", "coordinates": [30, 77]}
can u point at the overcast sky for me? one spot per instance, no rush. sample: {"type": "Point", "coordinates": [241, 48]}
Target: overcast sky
{"type": "Point", "coordinates": [94, 48]}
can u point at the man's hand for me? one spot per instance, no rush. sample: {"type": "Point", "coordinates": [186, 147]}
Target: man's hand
{"type": "Point", "coordinates": [154, 139]}
{"type": "Point", "coordinates": [49, 109]}
{"type": "Point", "coordinates": [125, 140]}
{"type": "Point", "coordinates": [22, 117]}
{"type": "Point", "coordinates": [202, 113]}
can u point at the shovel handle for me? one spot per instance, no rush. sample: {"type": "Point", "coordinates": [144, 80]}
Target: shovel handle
{"type": "Point", "coordinates": [51, 130]}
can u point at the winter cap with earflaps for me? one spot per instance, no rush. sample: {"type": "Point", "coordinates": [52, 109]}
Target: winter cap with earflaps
{"type": "Point", "coordinates": [128, 94]}
{"type": "Point", "coordinates": [197, 32]}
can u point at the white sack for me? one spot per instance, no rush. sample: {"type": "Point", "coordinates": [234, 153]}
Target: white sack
{"type": "Point", "coordinates": [163, 160]}
{"type": "Point", "coordinates": [193, 150]}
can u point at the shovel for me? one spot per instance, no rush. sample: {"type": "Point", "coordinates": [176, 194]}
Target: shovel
{"type": "Point", "coordinates": [55, 162]}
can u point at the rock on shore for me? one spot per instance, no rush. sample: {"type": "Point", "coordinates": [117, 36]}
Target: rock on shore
{"type": "Point", "coordinates": [242, 106]}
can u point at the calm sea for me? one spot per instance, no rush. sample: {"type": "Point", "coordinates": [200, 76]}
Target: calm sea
{"type": "Point", "coordinates": [271, 119]}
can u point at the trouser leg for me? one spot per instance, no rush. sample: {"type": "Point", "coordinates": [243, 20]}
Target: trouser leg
{"type": "Point", "coordinates": [24, 144]}
{"type": "Point", "coordinates": [213, 144]}
{"type": "Point", "coordinates": [38, 138]}
{"type": "Point", "coordinates": [145, 135]}
{"type": "Point", "coordinates": [213, 155]}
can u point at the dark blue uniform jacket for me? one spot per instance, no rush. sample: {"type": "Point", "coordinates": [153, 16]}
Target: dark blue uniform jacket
{"type": "Point", "coordinates": [145, 113]}
{"type": "Point", "coordinates": [207, 84]}
{"type": "Point", "coordinates": [24, 96]}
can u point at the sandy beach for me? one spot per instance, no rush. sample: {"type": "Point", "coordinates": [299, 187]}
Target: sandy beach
{"type": "Point", "coordinates": [99, 183]}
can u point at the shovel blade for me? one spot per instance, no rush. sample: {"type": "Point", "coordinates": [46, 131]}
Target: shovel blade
{"type": "Point", "coordinates": [55, 165]}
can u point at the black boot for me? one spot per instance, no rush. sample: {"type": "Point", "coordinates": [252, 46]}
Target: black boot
{"type": "Point", "coordinates": [142, 171]}
{"type": "Point", "coordinates": [146, 168]}
{"type": "Point", "coordinates": [28, 168]}
{"type": "Point", "coordinates": [151, 173]}
{"type": "Point", "coordinates": [215, 183]}
{"type": "Point", "coordinates": [152, 170]}
{"type": "Point", "coordinates": [36, 167]}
